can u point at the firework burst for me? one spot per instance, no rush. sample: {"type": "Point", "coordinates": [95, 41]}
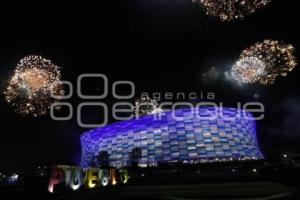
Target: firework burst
{"type": "Point", "coordinates": [248, 70]}
{"type": "Point", "coordinates": [264, 62]}
{"type": "Point", "coordinates": [31, 87]}
{"type": "Point", "coordinates": [146, 106]}
{"type": "Point", "coordinates": [229, 10]}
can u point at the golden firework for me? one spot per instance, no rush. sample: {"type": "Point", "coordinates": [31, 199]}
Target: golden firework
{"type": "Point", "coordinates": [31, 88]}
{"type": "Point", "coordinates": [230, 10]}
{"type": "Point", "coordinates": [264, 61]}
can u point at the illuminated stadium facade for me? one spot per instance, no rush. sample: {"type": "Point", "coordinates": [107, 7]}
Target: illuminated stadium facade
{"type": "Point", "coordinates": [211, 134]}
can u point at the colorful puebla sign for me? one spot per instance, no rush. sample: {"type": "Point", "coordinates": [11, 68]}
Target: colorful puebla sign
{"type": "Point", "coordinates": [75, 178]}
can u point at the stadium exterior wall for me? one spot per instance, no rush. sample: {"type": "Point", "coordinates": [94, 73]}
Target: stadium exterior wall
{"type": "Point", "coordinates": [206, 135]}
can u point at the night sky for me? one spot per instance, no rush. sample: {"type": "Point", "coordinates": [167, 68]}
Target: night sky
{"type": "Point", "coordinates": [160, 45]}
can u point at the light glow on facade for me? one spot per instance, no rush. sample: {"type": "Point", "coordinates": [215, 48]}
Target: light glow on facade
{"type": "Point", "coordinates": [212, 134]}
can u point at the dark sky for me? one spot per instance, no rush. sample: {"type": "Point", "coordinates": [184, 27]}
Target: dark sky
{"type": "Point", "coordinates": [160, 45]}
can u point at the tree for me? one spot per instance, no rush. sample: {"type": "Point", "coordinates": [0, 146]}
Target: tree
{"type": "Point", "coordinates": [92, 162]}
{"type": "Point", "coordinates": [103, 159]}
{"type": "Point", "coordinates": [136, 155]}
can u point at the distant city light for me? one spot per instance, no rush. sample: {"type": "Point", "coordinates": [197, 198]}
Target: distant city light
{"type": "Point", "coordinates": [13, 178]}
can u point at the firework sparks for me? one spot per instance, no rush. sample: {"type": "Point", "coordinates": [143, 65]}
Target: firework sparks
{"type": "Point", "coordinates": [248, 70]}
{"type": "Point", "coordinates": [146, 106]}
{"type": "Point", "coordinates": [229, 10]}
{"type": "Point", "coordinates": [32, 85]}
{"type": "Point", "coordinates": [264, 62]}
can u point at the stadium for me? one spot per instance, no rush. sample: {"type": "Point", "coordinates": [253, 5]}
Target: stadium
{"type": "Point", "coordinates": [205, 134]}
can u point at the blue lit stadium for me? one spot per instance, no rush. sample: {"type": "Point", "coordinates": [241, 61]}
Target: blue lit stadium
{"type": "Point", "coordinates": [185, 135]}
